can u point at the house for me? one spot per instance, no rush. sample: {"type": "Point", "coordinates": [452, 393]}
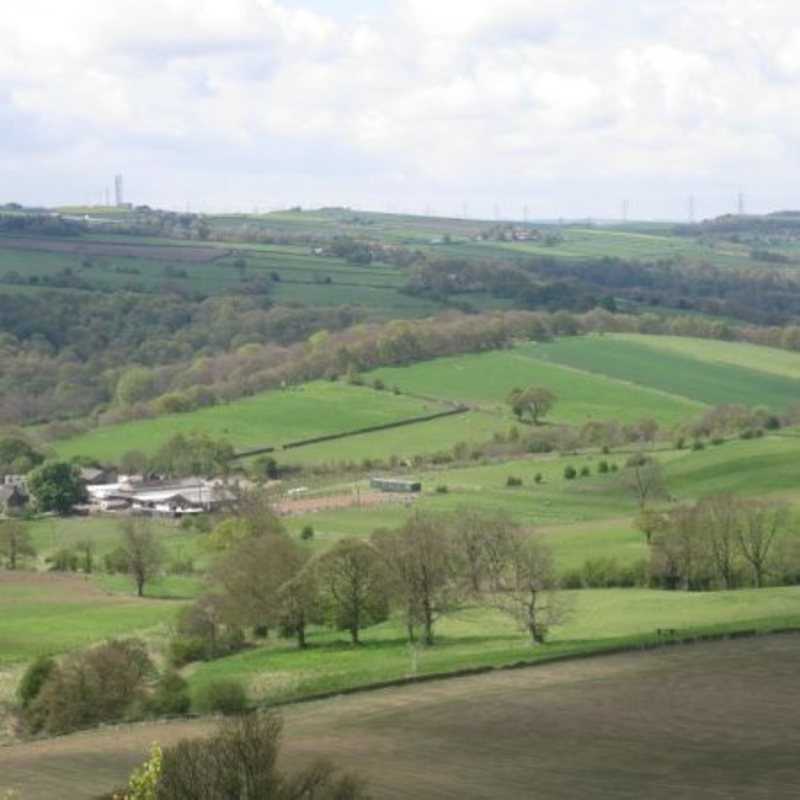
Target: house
{"type": "Point", "coordinates": [93, 476]}
{"type": "Point", "coordinates": [12, 499]}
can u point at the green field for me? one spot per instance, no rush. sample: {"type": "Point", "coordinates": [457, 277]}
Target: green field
{"type": "Point", "coordinates": [477, 637]}
{"type": "Point", "coordinates": [49, 614]}
{"type": "Point", "coordinates": [267, 419]}
{"type": "Point", "coordinates": [487, 378]}
{"type": "Point", "coordinates": [695, 378]}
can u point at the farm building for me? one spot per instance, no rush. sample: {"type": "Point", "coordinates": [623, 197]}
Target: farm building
{"type": "Point", "coordinates": [395, 485]}
{"type": "Point", "coordinates": [168, 498]}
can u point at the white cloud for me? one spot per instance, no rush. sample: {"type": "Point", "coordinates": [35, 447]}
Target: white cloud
{"type": "Point", "coordinates": [563, 103]}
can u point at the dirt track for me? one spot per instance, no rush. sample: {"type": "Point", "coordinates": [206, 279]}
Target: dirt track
{"type": "Point", "coordinates": [716, 720]}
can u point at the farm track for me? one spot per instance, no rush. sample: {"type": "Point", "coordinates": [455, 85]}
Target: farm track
{"type": "Point", "coordinates": [712, 720]}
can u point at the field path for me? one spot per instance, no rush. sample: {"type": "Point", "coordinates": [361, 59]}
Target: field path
{"type": "Point", "coordinates": [713, 720]}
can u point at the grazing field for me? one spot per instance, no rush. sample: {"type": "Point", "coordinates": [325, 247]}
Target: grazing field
{"type": "Point", "coordinates": [740, 354]}
{"type": "Point", "coordinates": [49, 613]}
{"type": "Point", "coordinates": [267, 419]}
{"type": "Point", "coordinates": [487, 378]}
{"type": "Point", "coordinates": [475, 637]}
{"type": "Point", "coordinates": [704, 381]}
{"type": "Point", "coordinates": [708, 720]}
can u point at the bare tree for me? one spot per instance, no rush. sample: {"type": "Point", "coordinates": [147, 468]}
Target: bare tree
{"type": "Point", "coordinates": [354, 584]}
{"type": "Point", "coordinates": [143, 553]}
{"type": "Point", "coordinates": [421, 564]}
{"type": "Point", "coordinates": [480, 539]}
{"type": "Point", "coordinates": [524, 585]}
{"type": "Point", "coordinates": [644, 479]}
{"type": "Point", "coordinates": [720, 520]}
{"type": "Point", "coordinates": [679, 554]}
{"type": "Point", "coordinates": [762, 525]}
{"type": "Point", "coordinates": [15, 542]}
{"type": "Point", "coordinates": [240, 760]}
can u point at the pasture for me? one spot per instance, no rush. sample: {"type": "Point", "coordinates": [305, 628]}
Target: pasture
{"type": "Point", "coordinates": [266, 419]}
{"type": "Point", "coordinates": [487, 378]}
{"type": "Point", "coordinates": [695, 378]}
{"type": "Point", "coordinates": [42, 614]}
{"type": "Point", "coordinates": [662, 724]}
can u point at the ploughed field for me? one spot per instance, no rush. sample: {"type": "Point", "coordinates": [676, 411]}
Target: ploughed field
{"type": "Point", "coordinates": [712, 720]}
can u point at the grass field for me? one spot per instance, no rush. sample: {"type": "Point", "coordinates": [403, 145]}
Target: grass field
{"type": "Point", "coordinates": [477, 637]}
{"type": "Point", "coordinates": [267, 419]}
{"type": "Point", "coordinates": [47, 614]}
{"type": "Point", "coordinates": [487, 379]}
{"type": "Point", "coordinates": [707, 720]}
{"type": "Point", "coordinates": [703, 380]}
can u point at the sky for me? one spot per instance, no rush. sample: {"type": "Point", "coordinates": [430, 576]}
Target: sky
{"type": "Point", "coordinates": [508, 108]}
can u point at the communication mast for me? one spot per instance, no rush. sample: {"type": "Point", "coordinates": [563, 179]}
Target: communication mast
{"type": "Point", "coordinates": [119, 197]}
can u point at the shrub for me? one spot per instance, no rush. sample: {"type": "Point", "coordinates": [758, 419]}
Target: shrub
{"type": "Point", "coordinates": [539, 446]}
{"type": "Point", "coordinates": [33, 679]}
{"type": "Point", "coordinates": [614, 467]}
{"type": "Point", "coordinates": [64, 560]}
{"type": "Point", "coordinates": [606, 450]}
{"type": "Point", "coordinates": [697, 444]}
{"type": "Point", "coordinates": [749, 433]}
{"type": "Point", "coordinates": [171, 695]}
{"type": "Point", "coordinates": [222, 696]}
{"type": "Point", "coordinates": [680, 443]}
{"type": "Point", "coordinates": [772, 423]}
{"type": "Point", "coordinates": [103, 684]}
{"type": "Point", "coordinates": [378, 384]}
{"type": "Point", "coordinates": [180, 566]}
{"type": "Point", "coordinates": [759, 432]}
{"type": "Point", "coordinates": [570, 473]}
{"type": "Point", "coordinates": [537, 478]}
{"type": "Point", "coordinates": [586, 471]}
{"type": "Point", "coordinates": [186, 649]}
{"type": "Point", "coordinates": [307, 533]}
{"type": "Point", "coordinates": [717, 440]}
{"type": "Point", "coordinates": [442, 489]}
{"type": "Point", "coordinates": [602, 467]}
{"type": "Point", "coordinates": [512, 481]}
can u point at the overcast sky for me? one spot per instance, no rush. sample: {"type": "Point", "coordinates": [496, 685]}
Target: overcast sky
{"type": "Point", "coordinates": [568, 107]}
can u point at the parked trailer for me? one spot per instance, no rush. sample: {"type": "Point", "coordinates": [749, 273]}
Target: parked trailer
{"type": "Point", "coordinates": [395, 485]}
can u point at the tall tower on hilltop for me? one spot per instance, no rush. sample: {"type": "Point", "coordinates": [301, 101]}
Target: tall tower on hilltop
{"type": "Point", "coordinates": [119, 197]}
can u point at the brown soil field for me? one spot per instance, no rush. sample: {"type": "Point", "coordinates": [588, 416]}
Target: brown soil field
{"type": "Point", "coordinates": [714, 720]}
{"type": "Point", "coordinates": [310, 505]}
{"type": "Point", "coordinates": [121, 249]}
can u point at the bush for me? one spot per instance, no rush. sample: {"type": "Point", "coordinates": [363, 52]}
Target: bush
{"type": "Point", "coordinates": [749, 433]}
{"type": "Point", "coordinates": [697, 444]}
{"type": "Point", "coordinates": [717, 440]}
{"type": "Point", "coordinates": [614, 467]}
{"type": "Point", "coordinates": [378, 384]}
{"type": "Point", "coordinates": [442, 489]}
{"type": "Point", "coordinates": [772, 423]}
{"type": "Point", "coordinates": [539, 446]}
{"type": "Point", "coordinates": [586, 471]}
{"type": "Point", "coordinates": [307, 533]}
{"type": "Point", "coordinates": [680, 443]}
{"type": "Point", "coordinates": [602, 467]}
{"type": "Point", "coordinates": [223, 696]}
{"type": "Point", "coordinates": [171, 696]}
{"type": "Point", "coordinates": [537, 478]}
{"type": "Point", "coordinates": [103, 684]}
{"type": "Point", "coordinates": [511, 481]}
{"type": "Point", "coordinates": [570, 473]}
{"type": "Point", "coordinates": [33, 679]}
{"type": "Point", "coordinates": [606, 450]}
{"type": "Point", "coordinates": [180, 566]}
{"type": "Point", "coordinates": [64, 560]}
{"type": "Point", "coordinates": [186, 649]}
